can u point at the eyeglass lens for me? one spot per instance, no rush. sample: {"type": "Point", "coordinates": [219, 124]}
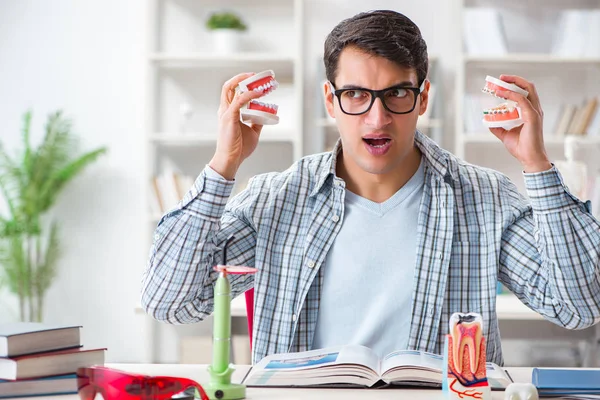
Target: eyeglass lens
{"type": "Point", "coordinates": [356, 101]}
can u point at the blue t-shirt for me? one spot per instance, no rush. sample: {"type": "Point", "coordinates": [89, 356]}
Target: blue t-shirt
{"type": "Point", "coordinates": [376, 244]}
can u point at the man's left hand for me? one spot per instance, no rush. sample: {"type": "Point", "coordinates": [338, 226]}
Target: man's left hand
{"type": "Point", "coordinates": [525, 142]}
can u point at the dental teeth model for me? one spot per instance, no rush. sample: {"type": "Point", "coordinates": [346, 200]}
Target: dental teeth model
{"type": "Point", "coordinates": [506, 115]}
{"type": "Point", "coordinates": [464, 359]}
{"type": "Point", "coordinates": [521, 391]}
{"type": "Point", "coordinates": [258, 112]}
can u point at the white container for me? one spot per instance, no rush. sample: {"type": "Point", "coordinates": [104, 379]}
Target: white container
{"type": "Point", "coordinates": [226, 41]}
{"type": "Point", "coordinates": [573, 171]}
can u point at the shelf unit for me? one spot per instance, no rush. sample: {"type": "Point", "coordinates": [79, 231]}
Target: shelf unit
{"type": "Point", "coordinates": [185, 70]}
{"type": "Point", "coordinates": [559, 79]}
{"type": "Point", "coordinates": [185, 74]}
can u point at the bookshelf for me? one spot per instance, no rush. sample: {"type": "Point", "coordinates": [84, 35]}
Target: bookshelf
{"type": "Point", "coordinates": [524, 39]}
{"type": "Point", "coordinates": [185, 73]}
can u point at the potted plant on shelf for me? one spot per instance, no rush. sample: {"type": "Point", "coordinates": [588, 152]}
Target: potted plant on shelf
{"type": "Point", "coordinates": [29, 186]}
{"type": "Point", "coordinates": [225, 28]}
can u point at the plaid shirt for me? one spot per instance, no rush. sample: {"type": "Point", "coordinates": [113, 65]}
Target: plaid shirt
{"type": "Point", "coordinates": [475, 228]}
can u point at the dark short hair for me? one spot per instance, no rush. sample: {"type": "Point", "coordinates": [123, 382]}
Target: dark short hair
{"type": "Point", "coordinates": [383, 33]}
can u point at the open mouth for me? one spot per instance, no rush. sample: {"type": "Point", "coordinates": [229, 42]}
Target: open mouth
{"type": "Point", "coordinates": [255, 111]}
{"type": "Point", "coordinates": [377, 143]}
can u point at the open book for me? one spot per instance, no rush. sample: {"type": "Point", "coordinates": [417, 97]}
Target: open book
{"type": "Point", "coordinates": [355, 365]}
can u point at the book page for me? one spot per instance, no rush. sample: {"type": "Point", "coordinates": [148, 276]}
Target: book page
{"type": "Point", "coordinates": [351, 354]}
{"type": "Point", "coordinates": [412, 358]}
{"type": "Point", "coordinates": [344, 365]}
{"type": "Point", "coordinates": [414, 367]}
{"type": "Point", "coordinates": [497, 376]}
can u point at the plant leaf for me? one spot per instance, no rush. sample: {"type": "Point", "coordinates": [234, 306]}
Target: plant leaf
{"type": "Point", "coordinates": [47, 269]}
{"type": "Point", "coordinates": [11, 179]}
{"type": "Point", "coordinates": [50, 189]}
{"type": "Point", "coordinates": [25, 133]}
{"type": "Point", "coordinates": [15, 267]}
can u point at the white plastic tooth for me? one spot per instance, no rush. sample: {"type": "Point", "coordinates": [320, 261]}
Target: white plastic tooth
{"type": "Point", "coordinates": [256, 90]}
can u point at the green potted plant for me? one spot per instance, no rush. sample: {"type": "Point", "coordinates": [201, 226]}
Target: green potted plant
{"type": "Point", "coordinates": [225, 27]}
{"type": "Point", "coordinates": [29, 186]}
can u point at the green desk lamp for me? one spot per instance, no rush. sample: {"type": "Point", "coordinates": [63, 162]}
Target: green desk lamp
{"type": "Point", "coordinates": [220, 386]}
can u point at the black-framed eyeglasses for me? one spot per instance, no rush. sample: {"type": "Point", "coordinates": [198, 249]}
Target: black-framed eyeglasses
{"type": "Point", "coordinates": [396, 99]}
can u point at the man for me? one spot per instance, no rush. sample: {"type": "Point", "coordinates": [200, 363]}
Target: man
{"type": "Point", "coordinates": [380, 241]}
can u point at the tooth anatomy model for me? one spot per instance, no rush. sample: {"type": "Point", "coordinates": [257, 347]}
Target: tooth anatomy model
{"type": "Point", "coordinates": [464, 359]}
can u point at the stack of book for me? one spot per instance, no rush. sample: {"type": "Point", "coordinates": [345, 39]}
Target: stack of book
{"type": "Point", "coordinates": [38, 359]}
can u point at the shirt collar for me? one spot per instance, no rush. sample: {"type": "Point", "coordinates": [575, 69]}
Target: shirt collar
{"type": "Point", "coordinates": [436, 160]}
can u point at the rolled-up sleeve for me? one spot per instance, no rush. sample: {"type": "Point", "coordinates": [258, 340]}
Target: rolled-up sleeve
{"type": "Point", "coordinates": [550, 255]}
{"type": "Point", "coordinates": [177, 285]}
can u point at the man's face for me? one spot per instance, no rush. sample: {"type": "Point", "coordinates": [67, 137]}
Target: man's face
{"type": "Point", "coordinates": [377, 142]}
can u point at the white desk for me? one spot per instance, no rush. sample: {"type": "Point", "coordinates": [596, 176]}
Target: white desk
{"type": "Point", "coordinates": [199, 374]}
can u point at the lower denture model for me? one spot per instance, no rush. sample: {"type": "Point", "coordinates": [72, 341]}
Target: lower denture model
{"type": "Point", "coordinates": [258, 112]}
{"type": "Point", "coordinates": [506, 115]}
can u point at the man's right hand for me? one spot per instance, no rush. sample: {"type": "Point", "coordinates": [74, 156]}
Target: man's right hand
{"type": "Point", "coordinates": [236, 140]}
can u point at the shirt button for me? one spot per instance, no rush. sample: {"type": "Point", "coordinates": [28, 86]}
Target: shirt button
{"type": "Point", "coordinates": [339, 183]}
{"type": "Point", "coordinates": [335, 218]}
{"type": "Point", "coordinates": [293, 317]}
{"type": "Point", "coordinates": [443, 203]}
{"type": "Point", "coordinates": [156, 236]}
{"type": "Point", "coordinates": [311, 264]}
{"type": "Point", "coordinates": [439, 255]}
{"type": "Point", "coordinates": [430, 312]}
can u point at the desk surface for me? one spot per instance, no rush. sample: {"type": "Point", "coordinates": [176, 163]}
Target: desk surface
{"type": "Point", "coordinates": [199, 374]}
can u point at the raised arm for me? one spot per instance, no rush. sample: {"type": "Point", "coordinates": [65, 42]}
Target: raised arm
{"type": "Point", "coordinates": [550, 257]}
{"type": "Point", "coordinates": [177, 285]}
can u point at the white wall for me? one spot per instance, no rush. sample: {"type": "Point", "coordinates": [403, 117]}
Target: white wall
{"type": "Point", "coordinates": [86, 57]}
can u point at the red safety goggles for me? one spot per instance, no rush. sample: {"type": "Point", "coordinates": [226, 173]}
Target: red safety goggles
{"type": "Point", "coordinates": [114, 384]}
